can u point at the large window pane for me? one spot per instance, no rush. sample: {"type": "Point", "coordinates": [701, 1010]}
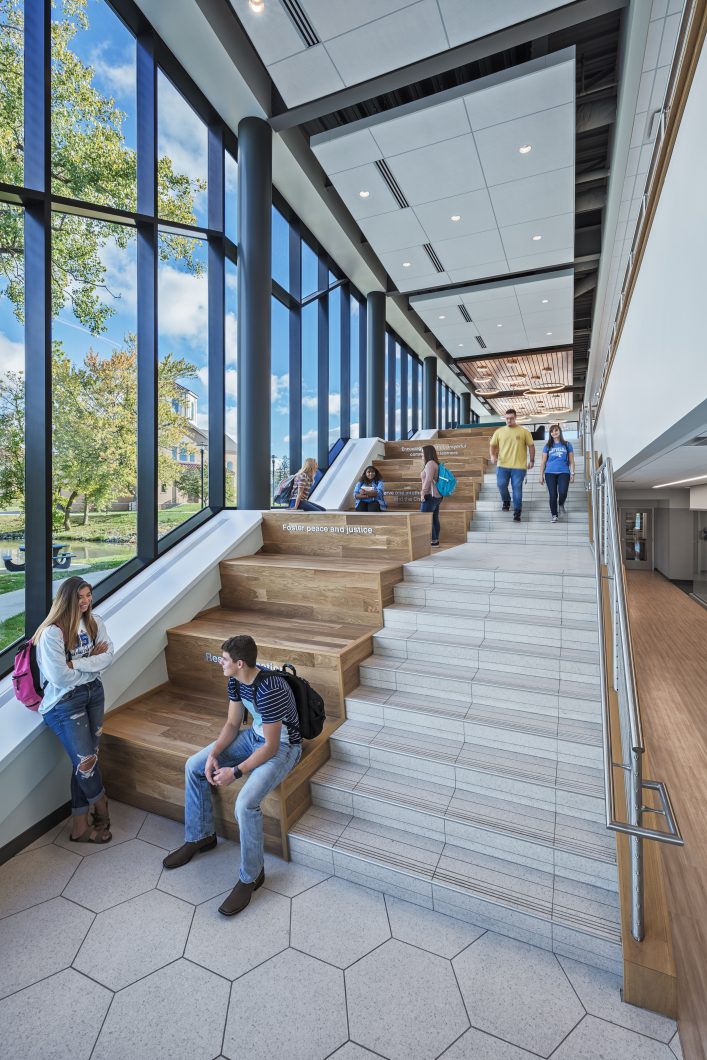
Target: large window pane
{"type": "Point", "coordinates": [94, 400]}
{"type": "Point", "coordinates": [231, 204]}
{"type": "Point", "coordinates": [355, 383]}
{"type": "Point", "coordinates": [280, 394]}
{"type": "Point", "coordinates": [280, 249]}
{"type": "Point", "coordinates": [182, 148]}
{"type": "Point", "coordinates": [183, 417]}
{"type": "Point", "coordinates": [12, 133]}
{"type": "Point", "coordinates": [335, 304]}
{"type": "Point", "coordinates": [398, 392]}
{"type": "Point", "coordinates": [411, 425]}
{"type": "Point", "coordinates": [310, 270]}
{"type": "Point", "coordinates": [231, 381]}
{"type": "Point", "coordinates": [310, 386]}
{"type": "Point", "coordinates": [12, 428]}
{"type": "Point", "coordinates": [93, 105]}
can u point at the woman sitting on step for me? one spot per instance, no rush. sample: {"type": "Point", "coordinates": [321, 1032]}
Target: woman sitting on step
{"type": "Point", "coordinates": [73, 650]}
{"type": "Point", "coordinates": [370, 492]}
{"type": "Point", "coordinates": [303, 485]}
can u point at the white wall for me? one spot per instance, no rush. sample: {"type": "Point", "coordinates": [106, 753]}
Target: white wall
{"type": "Point", "coordinates": [660, 370]}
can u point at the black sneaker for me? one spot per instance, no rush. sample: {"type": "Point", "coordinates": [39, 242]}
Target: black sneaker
{"type": "Point", "coordinates": [186, 852]}
{"type": "Point", "coordinates": [505, 507]}
{"type": "Point", "coordinates": [516, 517]}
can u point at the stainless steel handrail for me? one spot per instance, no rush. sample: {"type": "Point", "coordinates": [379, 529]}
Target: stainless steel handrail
{"type": "Point", "coordinates": [607, 556]}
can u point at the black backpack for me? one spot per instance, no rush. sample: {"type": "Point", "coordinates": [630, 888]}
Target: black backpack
{"type": "Point", "coordinates": [283, 494]}
{"type": "Point", "coordinates": [310, 705]}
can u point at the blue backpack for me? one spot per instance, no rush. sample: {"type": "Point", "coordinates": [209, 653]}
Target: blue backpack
{"type": "Point", "coordinates": [446, 482]}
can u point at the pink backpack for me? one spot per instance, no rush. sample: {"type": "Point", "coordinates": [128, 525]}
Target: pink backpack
{"type": "Point", "coordinates": [26, 679]}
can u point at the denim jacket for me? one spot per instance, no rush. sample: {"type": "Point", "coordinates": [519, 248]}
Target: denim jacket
{"type": "Point", "coordinates": [379, 495]}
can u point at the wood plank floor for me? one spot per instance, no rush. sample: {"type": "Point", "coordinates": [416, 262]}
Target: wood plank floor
{"type": "Point", "coordinates": [669, 633]}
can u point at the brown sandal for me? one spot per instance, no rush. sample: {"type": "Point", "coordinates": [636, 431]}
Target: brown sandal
{"type": "Point", "coordinates": [92, 835]}
{"type": "Point", "coordinates": [101, 823]}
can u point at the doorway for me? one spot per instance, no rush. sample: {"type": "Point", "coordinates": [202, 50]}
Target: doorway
{"type": "Point", "coordinates": [637, 538]}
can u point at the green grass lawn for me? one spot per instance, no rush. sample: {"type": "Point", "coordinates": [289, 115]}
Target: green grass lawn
{"type": "Point", "coordinates": [10, 581]}
{"type": "Point", "coordinates": [12, 629]}
{"type": "Point", "coordinates": [105, 525]}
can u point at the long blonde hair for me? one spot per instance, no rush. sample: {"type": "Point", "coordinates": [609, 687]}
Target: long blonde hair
{"type": "Point", "coordinates": [309, 467]}
{"type": "Point", "coordinates": [66, 614]}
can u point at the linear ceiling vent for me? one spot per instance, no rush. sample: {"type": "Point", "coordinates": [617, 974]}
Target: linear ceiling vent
{"type": "Point", "coordinates": [301, 23]}
{"type": "Point", "coordinates": [701, 439]}
{"type": "Point", "coordinates": [395, 189]}
{"type": "Point", "coordinates": [464, 312]}
{"type": "Point", "coordinates": [429, 251]}
{"type": "Point", "coordinates": [480, 341]}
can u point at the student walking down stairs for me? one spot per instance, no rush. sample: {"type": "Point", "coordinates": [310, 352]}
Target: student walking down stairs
{"type": "Point", "coordinates": [467, 777]}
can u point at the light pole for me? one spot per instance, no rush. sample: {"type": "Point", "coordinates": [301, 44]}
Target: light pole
{"type": "Point", "coordinates": [273, 459]}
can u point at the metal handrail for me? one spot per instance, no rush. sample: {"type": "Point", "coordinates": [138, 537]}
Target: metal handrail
{"type": "Point", "coordinates": [609, 569]}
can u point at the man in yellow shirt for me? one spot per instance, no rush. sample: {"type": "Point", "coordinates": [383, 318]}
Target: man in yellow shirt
{"type": "Point", "coordinates": [512, 448]}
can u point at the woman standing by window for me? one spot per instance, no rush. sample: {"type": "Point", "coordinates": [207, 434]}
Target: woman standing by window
{"type": "Point", "coordinates": [302, 487]}
{"type": "Point", "coordinates": [430, 497]}
{"type": "Point", "coordinates": [369, 493]}
{"type": "Point", "coordinates": [73, 649]}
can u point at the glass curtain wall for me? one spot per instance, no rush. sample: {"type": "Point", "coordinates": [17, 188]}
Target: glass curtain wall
{"type": "Point", "coordinates": [118, 209]}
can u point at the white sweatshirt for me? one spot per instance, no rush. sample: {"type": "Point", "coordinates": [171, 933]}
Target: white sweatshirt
{"type": "Point", "coordinates": [60, 678]}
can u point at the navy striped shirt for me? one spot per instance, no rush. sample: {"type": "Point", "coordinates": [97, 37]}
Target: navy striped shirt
{"type": "Point", "coordinates": [275, 702]}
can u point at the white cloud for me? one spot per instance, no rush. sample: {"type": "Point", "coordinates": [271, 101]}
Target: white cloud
{"type": "Point", "coordinates": [279, 386]}
{"type": "Point", "coordinates": [310, 402]}
{"type": "Point", "coordinates": [12, 354]}
{"type": "Point", "coordinates": [310, 436]}
{"type": "Point", "coordinates": [121, 77]}
{"type": "Point", "coordinates": [183, 304]}
{"type": "Point", "coordinates": [232, 421]}
{"type": "Point", "coordinates": [335, 403]}
{"type": "Point", "coordinates": [181, 132]}
{"type": "Point", "coordinates": [231, 383]}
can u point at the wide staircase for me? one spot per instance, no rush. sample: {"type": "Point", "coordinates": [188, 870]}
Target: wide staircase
{"type": "Point", "coordinates": [467, 776]}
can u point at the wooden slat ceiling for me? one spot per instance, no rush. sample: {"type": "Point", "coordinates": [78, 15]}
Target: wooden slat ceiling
{"type": "Point", "coordinates": [502, 380]}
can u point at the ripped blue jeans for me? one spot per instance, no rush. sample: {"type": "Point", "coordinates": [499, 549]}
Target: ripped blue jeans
{"type": "Point", "coordinates": [77, 719]}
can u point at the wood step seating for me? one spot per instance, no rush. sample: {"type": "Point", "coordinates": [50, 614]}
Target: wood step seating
{"type": "Point", "coordinates": [466, 457]}
{"type": "Point", "coordinates": [468, 775]}
{"type": "Point", "coordinates": [313, 596]}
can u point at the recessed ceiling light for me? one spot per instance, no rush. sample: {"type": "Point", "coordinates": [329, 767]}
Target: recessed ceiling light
{"type": "Point", "coordinates": [442, 317]}
{"type": "Point", "coordinates": [455, 217]}
{"type": "Point", "coordinates": [407, 264]}
{"type": "Point", "coordinates": [536, 238]}
{"type": "Point", "coordinates": [364, 194]}
{"type": "Point", "coordinates": [256, 5]}
{"type": "Point", "coordinates": [525, 149]}
{"type": "Point", "coordinates": [548, 333]}
{"type": "Point", "coordinates": [460, 344]}
{"type": "Point", "coordinates": [545, 301]}
{"type": "Point", "coordinates": [499, 325]}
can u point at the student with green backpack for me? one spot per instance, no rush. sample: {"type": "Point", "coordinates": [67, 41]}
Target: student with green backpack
{"type": "Point", "coordinates": [436, 482]}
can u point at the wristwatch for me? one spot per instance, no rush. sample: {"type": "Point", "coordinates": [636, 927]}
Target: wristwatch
{"type": "Point", "coordinates": [237, 773]}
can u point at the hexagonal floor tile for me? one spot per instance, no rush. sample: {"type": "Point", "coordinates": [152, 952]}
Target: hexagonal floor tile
{"type": "Point", "coordinates": [404, 1003]}
{"type": "Point", "coordinates": [676, 1046]}
{"type": "Point", "coordinates": [351, 1051]}
{"type": "Point", "coordinates": [289, 878]}
{"type": "Point", "coordinates": [600, 993]}
{"type": "Point", "coordinates": [40, 941]}
{"type": "Point", "coordinates": [127, 870]}
{"type": "Point", "coordinates": [62, 1013]}
{"type": "Point", "coordinates": [176, 1012]}
{"type": "Point", "coordinates": [48, 837]}
{"type": "Point", "coordinates": [135, 938]}
{"type": "Point", "coordinates": [475, 1045]}
{"type": "Point", "coordinates": [162, 832]}
{"type": "Point", "coordinates": [339, 921]}
{"type": "Point", "coordinates": [233, 947]}
{"type": "Point", "coordinates": [517, 992]}
{"type": "Point", "coordinates": [593, 1038]}
{"type": "Point", "coordinates": [206, 875]}
{"type": "Point", "coordinates": [434, 932]}
{"type": "Point", "coordinates": [307, 1023]}
{"type": "Point", "coordinates": [125, 823]}
{"type": "Point", "coordinates": [34, 877]}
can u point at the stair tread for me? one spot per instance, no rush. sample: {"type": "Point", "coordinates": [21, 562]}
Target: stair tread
{"type": "Point", "coordinates": [291, 561]}
{"type": "Point", "coordinates": [303, 634]}
{"type": "Point", "coordinates": [550, 620]}
{"type": "Point", "coordinates": [488, 644]}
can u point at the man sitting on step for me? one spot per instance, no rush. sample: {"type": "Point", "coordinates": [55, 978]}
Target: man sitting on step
{"type": "Point", "coordinates": [264, 753]}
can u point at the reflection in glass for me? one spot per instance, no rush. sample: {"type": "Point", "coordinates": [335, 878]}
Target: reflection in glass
{"type": "Point", "coordinates": [335, 303]}
{"type": "Point", "coordinates": [280, 249]}
{"type": "Point", "coordinates": [310, 431]}
{"type": "Point", "coordinates": [354, 354]}
{"type": "Point", "coordinates": [231, 382]}
{"type": "Point", "coordinates": [12, 134]}
{"type": "Point", "coordinates": [182, 150]}
{"type": "Point", "coordinates": [231, 198]}
{"type": "Point", "coordinates": [280, 395]}
{"type": "Point", "coordinates": [310, 270]}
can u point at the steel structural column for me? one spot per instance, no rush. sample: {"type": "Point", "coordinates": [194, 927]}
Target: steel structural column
{"type": "Point", "coordinates": [375, 365]}
{"type": "Point", "coordinates": [254, 322]}
{"type": "Point", "coordinates": [429, 394]}
{"type": "Point", "coordinates": [465, 414]}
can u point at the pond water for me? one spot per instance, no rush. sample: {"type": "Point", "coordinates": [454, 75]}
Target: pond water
{"type": "Point", "coordinates": [83, 551]}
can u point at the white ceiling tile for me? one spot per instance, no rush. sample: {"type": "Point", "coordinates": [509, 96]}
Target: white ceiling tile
{"type": "Point", "coordinates": [420, 264]}
{"type": "Point", "coordinates": [468, 20]}
{"type": "Point", "coordinates": [558, 318]}
{"type": "Point", "coordinates": [497, 309]}
{"type": "Point", "coordinates": [272, 32]}
{"type": "Point", "coordinates": [660, 84]}
{"type": "Point", "coordinates": [644, 91]}
{"type": "Point", "coordinates": [305, 76]}
{"type": "Point", "coordinates": [418, 283]}
{"type": "Point", "coordinates": [521, 96]}
{"type": "Point", "coordinates": [330, 19]}
{"type": "Point", "coordinates": [439, 171]}
{"type": "Point", "coordinates": [393, 231]}
{"type": "Point", "coordinates": [670, 35]}
{"type": "Point", "coordinates": [659, 9]}
{"type": "Point", "coordinates": [556, 232]}
{"type": "Point", "coordinates": [455, 333]}
{"type": "Point", "coordinates": [539, 336]}
{"type": "Point", "coordinates": [676, 6]}
{"type": "Point", "coordinates": [474, 209]}
{"type": "Point", "coordinates": [650, 56]}
{"type": "Point", "coordinates": [364, 178]}
{"type": "Point", "coordinates": [496, 342]}
{"type": "Point", "coordinates": [345, 152]}
{"type": "Point", "coordinates": [420, 128]}
{"type": "Point", "coordinates": [550, 134]}
{"type": "Point", "coordinates": [481, 272]}
{"type": "Point", "coordinates": [469, 250]}
{"type": "Point", "coordinates": [632, 162]}
{"type": "Point", "coordinates": [388, 43]}
{"type": "Point", "coordinates": [534, 197]}
{"type": "Point", "coordinates": [432, 303]}
{"type": "Point", "coordinates": [563, 256]}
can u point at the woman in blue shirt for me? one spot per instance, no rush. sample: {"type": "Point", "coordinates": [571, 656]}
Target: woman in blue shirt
{"type": "Point", "coordinates": [370, 492]}
{"type": "Point", "coordinates": [557, 469]}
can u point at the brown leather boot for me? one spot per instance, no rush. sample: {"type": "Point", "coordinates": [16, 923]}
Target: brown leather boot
{"type": "Point", "coordinates": [240, 896]}
{"type": "Point", "coordinates": [186, 852]}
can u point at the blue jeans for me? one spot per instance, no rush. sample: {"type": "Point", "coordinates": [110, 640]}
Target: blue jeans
{"type": "Point", "coordinates": [77, 719]}
{"type": "Point", "coordinates": [557, 482]}
{"type": "Point", "coordinates": [308, 506]}
{"type": "Point", "coordinates": [516, 476]}
{"type": "Point", "coordinates": [198, 810]}
{"type": "Point", "coordinates": [431, 504]}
